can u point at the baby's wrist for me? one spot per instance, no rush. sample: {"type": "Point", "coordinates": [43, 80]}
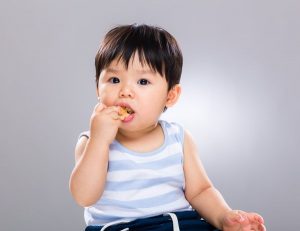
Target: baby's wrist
{"type": "Point", "coordinates": [224, 217]}
{"type": "Point", "coordinates": [98, 142]}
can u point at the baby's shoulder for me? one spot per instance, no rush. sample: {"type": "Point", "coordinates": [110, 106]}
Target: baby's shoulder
{"type": "Point", "coordinates": [173, 129]}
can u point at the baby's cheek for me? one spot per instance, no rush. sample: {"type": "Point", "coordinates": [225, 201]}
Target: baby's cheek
{"type": "Point", "coordinates": [106, 98]}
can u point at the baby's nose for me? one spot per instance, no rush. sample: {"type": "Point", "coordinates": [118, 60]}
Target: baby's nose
{"type": "Point", "coordinates": [126, 92]}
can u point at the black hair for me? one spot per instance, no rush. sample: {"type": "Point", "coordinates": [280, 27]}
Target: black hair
{"type": "Point", "coordinates": [155, 47]}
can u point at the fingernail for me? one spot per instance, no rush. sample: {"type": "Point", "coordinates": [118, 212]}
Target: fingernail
{"type": "Point", "coordinates": [242, 218]}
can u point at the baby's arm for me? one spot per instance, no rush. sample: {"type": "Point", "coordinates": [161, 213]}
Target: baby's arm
{"type": "Point", "coordinates": [88, 178]}
{"type": "Point", "coordinates": [204, 198]}
{"type": "Point", "coordinates": [199, 190]}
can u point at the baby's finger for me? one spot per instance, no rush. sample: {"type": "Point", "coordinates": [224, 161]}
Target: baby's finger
{"type": "Point", "coordinates": [232, 219]}
{"type": "Point", "coordinates": [112, 109]}
{"type": "Point", "coordinates": [255, 218]}
{"type": "Point", "coordinates": [236, 216]}
{"type": "Point", "coordinates": [259, 218]}
{"type": "Point", "coordinates": [99, 107]}
{"type": "Point", "coordinates": [258, 227]}
{"type": "Point", "coordinates": [242, 218]}
{"type": "Point", "coordinates": [258, 222]}
{"type": "Point", "coordinates": [112, 112]}
{"type": "Point", "coordinates": [263, 228]}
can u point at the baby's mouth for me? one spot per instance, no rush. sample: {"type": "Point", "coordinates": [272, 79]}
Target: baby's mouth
{"type": "Point", "coordinates": [129, 110]}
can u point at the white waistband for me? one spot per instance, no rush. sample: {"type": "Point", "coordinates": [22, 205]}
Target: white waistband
{"type": "Point", "coordinates": [172, 215]}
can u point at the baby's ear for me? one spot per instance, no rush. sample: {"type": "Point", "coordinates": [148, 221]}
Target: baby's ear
{"type": "Point", "coordinates": [173, 95]}
{"type": "Point", "coordinates": [97, 93]}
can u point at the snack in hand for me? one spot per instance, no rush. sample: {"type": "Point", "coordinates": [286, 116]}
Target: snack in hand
{"type": "Point", "coordinates": [124, 112]}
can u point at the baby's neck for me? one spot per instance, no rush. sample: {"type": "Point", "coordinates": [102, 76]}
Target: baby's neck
{"type": "Point", "coordinates": [142, 141]}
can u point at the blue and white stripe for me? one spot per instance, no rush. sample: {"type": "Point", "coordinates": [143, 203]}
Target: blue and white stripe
{"type": "Point", "coordinates": [142, 184]}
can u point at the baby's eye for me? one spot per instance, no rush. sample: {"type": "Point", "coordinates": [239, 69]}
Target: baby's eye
{"type": "Point", "coordinates": [114, 80]}
{"type": "Point", "coordinates": [143, 82]}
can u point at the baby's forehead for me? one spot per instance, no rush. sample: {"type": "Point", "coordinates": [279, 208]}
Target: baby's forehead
{"type": "Point", "coordinates": [134, 63]}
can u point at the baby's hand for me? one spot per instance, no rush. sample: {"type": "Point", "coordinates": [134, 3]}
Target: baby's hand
{"type": "Point", "coordinates": [104, 123]}
{"type": "Point", "coordinates": [237, 220]}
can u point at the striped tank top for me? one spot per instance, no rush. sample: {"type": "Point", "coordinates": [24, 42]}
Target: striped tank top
{"type": "Point", "coordinates": [142, 184]}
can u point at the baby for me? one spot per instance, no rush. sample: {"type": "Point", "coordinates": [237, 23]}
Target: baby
{"type": "Point", "coordinates": [133, 170]}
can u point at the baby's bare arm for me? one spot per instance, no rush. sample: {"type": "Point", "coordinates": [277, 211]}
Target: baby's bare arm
{"type": "Point", "coordinates": [199, 191]}
{"type": "Point", "coordinates": [88, 177]}
{"type": "Point", "coordinates": [203, 197]}
{"type": "Point", "coordinates": [89, 174]}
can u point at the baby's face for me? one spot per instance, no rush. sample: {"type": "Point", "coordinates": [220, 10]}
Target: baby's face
{"type": "Point", "coordinates": [137, 88]}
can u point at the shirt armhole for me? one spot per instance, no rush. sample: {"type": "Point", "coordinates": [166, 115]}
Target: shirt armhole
{"type": "Point", "coordinates": [86, 134]}
{"type": "Point", "coordinates": [181, 134]}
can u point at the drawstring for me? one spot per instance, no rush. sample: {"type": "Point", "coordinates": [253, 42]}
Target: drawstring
{"type": "Point", "coordinates": [172, 215]}
{"type": "Point", "coordinates": [115, 223]}
{"type": "Point", "coordinates": [174, 221]}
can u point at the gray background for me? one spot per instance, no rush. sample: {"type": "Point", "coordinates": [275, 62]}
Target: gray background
{"type": "Point", "coordinates": [241, 92]}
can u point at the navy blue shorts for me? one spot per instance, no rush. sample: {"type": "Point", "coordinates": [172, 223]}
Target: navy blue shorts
{"type": "Point", "coordinates": [187, 220]}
